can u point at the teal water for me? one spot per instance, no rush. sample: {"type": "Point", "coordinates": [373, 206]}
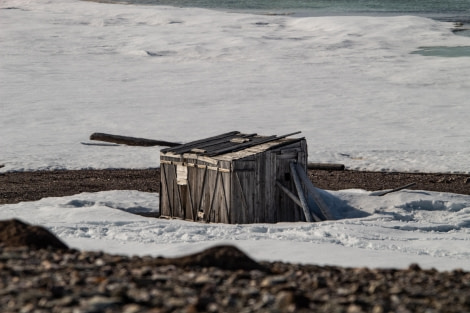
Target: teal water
{"type": "Point", "coordinates": [451, 10]}
{"type": "Point", "coordinates": [443, 51]}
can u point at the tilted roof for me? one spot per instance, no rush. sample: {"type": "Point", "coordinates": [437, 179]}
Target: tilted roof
{"type": "Point", "coordinates": [229, 143]}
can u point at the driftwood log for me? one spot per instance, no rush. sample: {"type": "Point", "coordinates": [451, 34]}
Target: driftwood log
{"type": "Point", "coordinates": [326, 166]}
{"type": "Point", "coordinates": [132, 141]}
{"type": "Point", "coordinates": [386, 192]}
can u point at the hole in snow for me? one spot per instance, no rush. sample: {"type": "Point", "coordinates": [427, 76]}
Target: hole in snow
{"type": "Point", "coordinates": [160, 53]}
{"type": "Point", "coordinates": [80, 203]}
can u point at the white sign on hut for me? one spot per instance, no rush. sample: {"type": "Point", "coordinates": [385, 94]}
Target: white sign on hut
{"type": "Point", "coordinates": [238, 178]}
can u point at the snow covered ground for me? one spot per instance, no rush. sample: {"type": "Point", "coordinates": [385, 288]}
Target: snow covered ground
{"type": "Point", "coordinates": [352, 85]}
{"type": "Point", "coordinates": [428, 228]}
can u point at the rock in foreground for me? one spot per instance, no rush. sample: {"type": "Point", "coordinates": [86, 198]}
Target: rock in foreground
{"type": "Point", "coordinates": [15, 233]}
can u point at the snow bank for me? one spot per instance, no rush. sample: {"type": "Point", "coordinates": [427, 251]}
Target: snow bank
{"type": "Point", "coordinates": [391, 231]}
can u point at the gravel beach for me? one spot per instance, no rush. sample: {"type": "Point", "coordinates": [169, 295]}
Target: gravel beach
{"type": "Point", "coordinates": [79, 281]}
{"type": "Point", "coordinates": [220, 279]}
{"type": "Point", "coordinates": [31, 186]}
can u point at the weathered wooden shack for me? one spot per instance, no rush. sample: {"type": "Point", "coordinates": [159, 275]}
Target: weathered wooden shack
{"type": "Point", "coordinates": [233, 178]}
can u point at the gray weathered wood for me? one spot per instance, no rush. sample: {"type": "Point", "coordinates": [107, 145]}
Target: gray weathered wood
{"type": "Point", "coordinates": [238, 190]}
{"type": "Point", "coordinates": [190, 196]}
{"type": "Point", "coordinates": [314, 192]}
{"type": "Point", "coordinates": [242, 194]}
{"type": "Point", "coordinates": [226, 208]}
{"type": "Point", "coordinates": [251, 143]}
{"type": "Point", "coordinates": [166, 184]}
{"type": "Point", "coordinates": [191, 145]}
{"type": "Point", "coordinates": [202, 191]}
{"type": "Point", "coordinates": [182, 212]}
{"type": "Point", "coordinates": [214, 193]}
{"type": "Point", "coordinates": [132, 141]}
{"type": "Point", "coordinates": [289, 193]}
{"type": "Point", "coordinates": [300, 192]}
{"type": "Point", "coordinates": [233, 148]}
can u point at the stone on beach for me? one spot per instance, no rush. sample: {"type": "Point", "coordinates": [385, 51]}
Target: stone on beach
{"type": "Point", "coordinates": [15, 233]}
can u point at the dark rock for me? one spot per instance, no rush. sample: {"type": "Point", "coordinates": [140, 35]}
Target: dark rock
{"type": "Point", "coordinates": [223, 257]}
{"type": "Point", "coordinates": [414, 267]}
{"type": "Point", "coordinates": [15, 233]}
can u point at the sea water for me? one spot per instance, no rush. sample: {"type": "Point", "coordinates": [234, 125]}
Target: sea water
{"type": "Point", "coordinates": [450, 10]}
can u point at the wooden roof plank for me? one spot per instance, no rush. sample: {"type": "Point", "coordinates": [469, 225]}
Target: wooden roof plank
{"type": "Point", "coordinates": [212, 145]}
{"type": "Point", "coordinates": [237, 147]}
{"type": "Point", "coordinates": [249, 144]}
{"type": "Point", "coordinates": [197, 143]}
{"type": "Point", "coordinates": [223, 144]}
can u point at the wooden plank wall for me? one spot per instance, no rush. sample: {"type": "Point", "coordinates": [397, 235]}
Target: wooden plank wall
{"type": "Point", "coordinates": [260, 187]}
{"type": "Point", "coordinates": [284, 206]}
{"type": "Point", "coordinates": [279, 207]}
{"type": "Point", "coordinates": [243, 190]}
{"type": "Point", "coordinates": [207, 189]}
{"type": "Point", "coordinates": [286, 210]}
{"type": "Point", "coordinates": [211, 193]}
{"type": "Point", "coordinates": [170, 204]}
{"type": "Point", "coordinates": [255, 197]}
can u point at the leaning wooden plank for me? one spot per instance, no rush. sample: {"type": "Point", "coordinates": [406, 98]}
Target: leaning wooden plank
{"type": "Point", "coordinates": [384, 192]}
{"type": "Point", "coordinates": [326, 166]}
{"type": "Point", "coordinates": [289, 193]}
{"type": "Point", "coordinates": [132, 141]}
{"type": "Point", "coordinates": [294, 198]}
{"type": "Point", "coordinates": [300, 192]}
{"type": "Point", "coordinates": [313, 192]}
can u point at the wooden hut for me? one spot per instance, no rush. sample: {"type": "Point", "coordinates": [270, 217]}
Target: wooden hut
{"type": "Point", "coordinates": [234, 178]}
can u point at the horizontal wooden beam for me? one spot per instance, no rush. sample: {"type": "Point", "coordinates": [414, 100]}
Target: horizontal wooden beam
{"type": "Point", "coordinates": [188, 164]}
